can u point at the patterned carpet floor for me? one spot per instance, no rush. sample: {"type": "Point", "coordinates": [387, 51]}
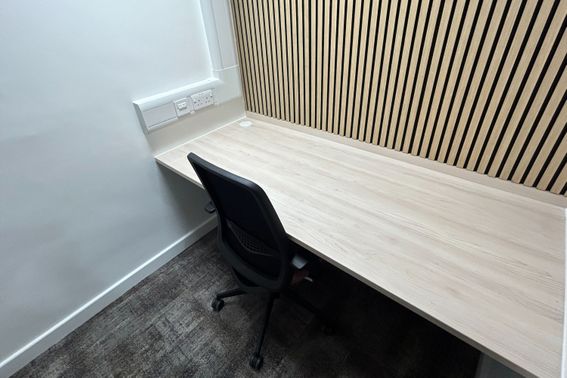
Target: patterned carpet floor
{"type": "Point", "coordinates": [164, 327]}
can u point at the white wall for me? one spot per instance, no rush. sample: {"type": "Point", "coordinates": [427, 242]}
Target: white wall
{"type": "Point", "coordinates": [82, 203]}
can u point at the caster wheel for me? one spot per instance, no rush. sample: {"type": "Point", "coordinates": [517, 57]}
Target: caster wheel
{"type": "Point", "coordinates": [217, 305]}
{"type": "Point", "coordinates": [256, 362]}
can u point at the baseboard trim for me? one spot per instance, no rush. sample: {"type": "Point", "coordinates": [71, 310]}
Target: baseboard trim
{"type": "Point", "coordinates": [72, 321]}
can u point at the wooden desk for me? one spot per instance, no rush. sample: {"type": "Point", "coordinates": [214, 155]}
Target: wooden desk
{"type": "Point", "coordinates": [486, 265]}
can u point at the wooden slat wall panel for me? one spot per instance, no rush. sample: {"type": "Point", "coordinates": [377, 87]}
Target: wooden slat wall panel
{"type": "Point", "coordinates": [476, 84]}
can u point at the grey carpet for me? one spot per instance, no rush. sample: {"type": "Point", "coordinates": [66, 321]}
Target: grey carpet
{"type": "Point", "coordinates": [165, 327]}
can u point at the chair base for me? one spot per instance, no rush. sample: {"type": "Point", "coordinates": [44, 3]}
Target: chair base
{"type": "Point", "coordinates": [257, 360]}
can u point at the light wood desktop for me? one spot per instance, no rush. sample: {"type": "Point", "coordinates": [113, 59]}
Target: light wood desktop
{"type": "Point", "coordinates": [485, 264]}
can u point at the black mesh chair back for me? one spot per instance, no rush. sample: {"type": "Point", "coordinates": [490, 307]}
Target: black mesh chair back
{"type": "Point", "coordinates": [250, 235]}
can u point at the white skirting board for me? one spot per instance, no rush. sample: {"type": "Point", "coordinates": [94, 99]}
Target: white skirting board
{"type": "Point", "coordinates": [72, 321]}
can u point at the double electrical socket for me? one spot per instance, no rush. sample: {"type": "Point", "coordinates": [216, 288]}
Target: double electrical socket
{"type": "Point", "coordinates": [203, 99]}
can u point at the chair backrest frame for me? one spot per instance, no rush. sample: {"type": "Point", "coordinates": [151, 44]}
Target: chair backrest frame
{"type": "Point", "coordinates": [275, 233]}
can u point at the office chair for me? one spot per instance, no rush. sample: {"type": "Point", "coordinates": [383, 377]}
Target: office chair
{"type": "Point", "coordinates": [252, 240]}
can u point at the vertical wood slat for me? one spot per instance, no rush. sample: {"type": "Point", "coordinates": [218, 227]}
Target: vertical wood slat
{"type": "Point", "coordinates": [353, 67]}
{"type": "Point", "coordinates": [385, 63]}
{"type": "Point", "coordinates": [300, 64]}
{"type": "Point", "coordinates": [278, 66]}
{"type": "Point", "coordinates": [360, 72]}
{"type": "Point", "coordinates": [294, 60]}
{"type": "Point", "coordinates": [373, 80]}
{"type": "Point", "coordinates": [313, 62]}
{"type": "Point", "coordinates": [369, 67]}
{"type": "Point", "coordinates": [332, 37]}
{"type": "Point", "coordinates": [306, 6]}
{"type": "Point", "coordinates": [340, 51]}
{"type": "Point", "coordinates": [347, 57]}
{"type": "Point", "coordinates": [324, 28]}
{"type": "Point", "coordinates": [478, 85]}
{"type": "Point", "coordinates": [397, 37]}
{"type": "Point", "coordinates": [275, 60]}
{"type": "Point", "coordinates": [319, 62]}
{"type": "Point", "coordinates": [257, 54]}
{"type": "Point", "coordinates": [285, 43]}
{"type": "Point", "coordinates": [290, 58]}
{"type": "Point", "coordinates": [266, 58]}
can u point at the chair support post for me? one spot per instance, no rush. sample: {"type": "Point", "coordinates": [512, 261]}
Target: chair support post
{"type": "Point", "coordinates": [265, 324]}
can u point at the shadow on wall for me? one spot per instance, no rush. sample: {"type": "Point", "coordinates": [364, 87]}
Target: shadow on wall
{"type": "Point", "coordinates": [183, 196]}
